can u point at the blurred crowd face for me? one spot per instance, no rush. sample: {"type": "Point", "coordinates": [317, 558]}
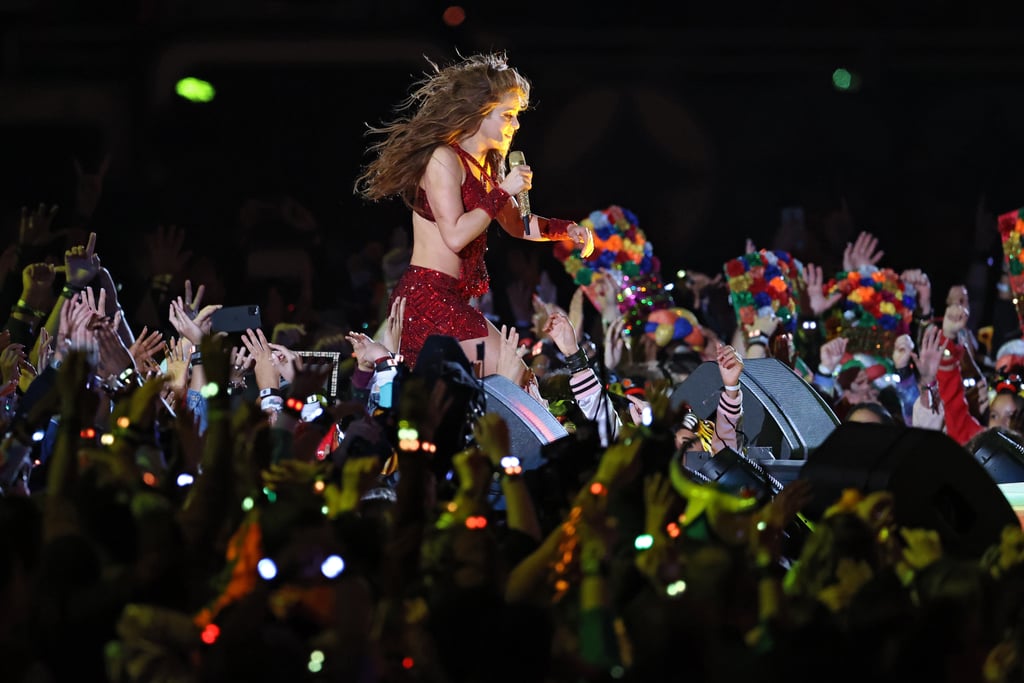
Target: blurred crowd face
{"type": "Point", "coordinates": [861, 389]}
{"type": "Point", "coordinates": [1002, 411]}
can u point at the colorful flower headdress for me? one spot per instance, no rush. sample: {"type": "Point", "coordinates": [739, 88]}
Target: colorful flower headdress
{"type": "Point", "coordinates": [765, 282]}
{"type": "Point", "coordinates": [875, 307]}
{"type": "Point", "coordinates": [623, 255]}
{"type": "Point", "coordinates": [620, 248]}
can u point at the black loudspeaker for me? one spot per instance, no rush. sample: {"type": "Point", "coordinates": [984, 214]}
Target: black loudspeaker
{"type": "Point", "coordinates": [935, 482]}
{"type": "Point", "coordinates": [1000, 455]}
{"type": "Point", "coordinates": [780, 410]}
{"type": "Point", "coordinates": [530, 424]}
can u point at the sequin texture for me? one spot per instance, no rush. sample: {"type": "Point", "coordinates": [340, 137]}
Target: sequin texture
{"type": "Point", "coordinates": [435, 303]}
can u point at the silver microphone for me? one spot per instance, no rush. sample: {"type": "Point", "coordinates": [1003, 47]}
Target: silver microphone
{"type": "Point", "coordinates": [523, 198]}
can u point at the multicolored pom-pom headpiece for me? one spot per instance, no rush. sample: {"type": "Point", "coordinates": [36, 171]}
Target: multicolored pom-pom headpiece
{"type": "Point", "coordinates": [765, 282]}
{"type": "Point", "coordinates": [1011, 232]}
{"type": "Point", "coordinates": [621, 249]}
{"type": "Point", "coordinates": [623, 255]}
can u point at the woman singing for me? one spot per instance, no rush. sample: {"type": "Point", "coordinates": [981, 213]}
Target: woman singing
{"type": "Point", "coordinates": [445, 157]}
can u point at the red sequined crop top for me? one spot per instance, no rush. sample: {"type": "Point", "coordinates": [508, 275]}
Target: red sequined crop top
{"type": "Point", "coordinates": [473, 277]}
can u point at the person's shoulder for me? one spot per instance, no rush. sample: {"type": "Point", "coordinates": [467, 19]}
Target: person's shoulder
{"type": "Point", "coordinates": [444, 159]}
{"type": "Point", "coordinates": [444, 153]}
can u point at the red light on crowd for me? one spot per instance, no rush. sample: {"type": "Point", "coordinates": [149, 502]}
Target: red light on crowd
{"type": "Point", "coordinates": [598, 489]}
{"type": "Point", "coordinates": [453, 15]}
{"type": "Point", "coordinates": [149, 479]}
{"type": "Point", "coordinates": [88, 433]}
{"type": "Point", "coordinates": [476, 522]}
{"type": "Point", "coordinates": [210, 634]}
{"type": "Point", "coordinates": [408, 662]}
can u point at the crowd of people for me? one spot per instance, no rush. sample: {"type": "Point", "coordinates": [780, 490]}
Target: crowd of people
{"type": "Point", "coordinates": [324, 495]}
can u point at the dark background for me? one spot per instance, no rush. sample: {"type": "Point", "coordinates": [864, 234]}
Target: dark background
{"type": "Point", "coordinates": [705, 119]}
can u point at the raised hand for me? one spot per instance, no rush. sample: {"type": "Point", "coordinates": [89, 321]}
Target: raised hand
{"type": "Point", "coordinates": [730, 365]}
{"type": "Point", "coordinates": [190, 304]}
{"type": "Point", "coordinates": [81, 263]}
{"type": "Point", "coordinates": [510, 356]}
{"type": "Point", "coordinates": [192, 329]}
{"type": "Point", "coordinates": [637, 409]}
{"type": "Point", "coordinates": [144, 349]}
{"type": "Point", "coordinates": [37, 285]}
{"type": "Point", "coordinates": [862, 252]}
{"type": "Point", "coordinates": [921, 547]}
{"type": "Point", "coordinates": [392, 338]}
{"type": "Point", "coordinates": [492, 435]}
{"type": "Point", "coordinates": [241, 362]}
{"type": "Point", "coordinates": [178, 354]}
{"type": "Point", "coordinates": [815, 290]}
{"type": "Point", "coordinates": [929, 355]}
{"type": "Point", "coordinates": [267, 374]}
{"type": "Point", "coordinates": [561, 332]}
{"type": "Point", "coordinates": [366, 350]}
{"type": "Point", "coordinates": [114, 356]}
{"type": "Point", "coordinates": [285, 360]}
{"type": "Point", "coordinates": [614, 343]}
{"type": "Point", "coordinates": [831, 354]}
{"type": "Point", "coordinates": [922, 285]}
{"type": "Point", "coordinates": [34, 226]}
{"type": "Point", "coordinates": [954, 320]}
{"type": "Point", "coordinates": [358, 475]}
{"type": "Point", "coordinates": [11, 360]}
{"type": "Point", "coordinates": [619, 458]}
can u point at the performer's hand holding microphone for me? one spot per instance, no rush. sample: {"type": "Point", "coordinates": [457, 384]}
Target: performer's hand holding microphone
{"type": "Point", "coordinates": [516, 158]}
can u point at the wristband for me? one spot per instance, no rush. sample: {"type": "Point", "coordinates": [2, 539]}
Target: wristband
{"type": "Point", "coordinates": [758, 338]}
{"type": "Point", "coordinates": [23, 306]}
{"type": "Point", "coordinates": [822, 370]}
{"type": "Point", "coordinates": [196, 358]}
{"type": "Point", "coordinates": [270, 391]}
{"type": "Point", "coordinates": [271, 403]}
{"type": "Point", "coordinates": [384, 363]}
{"type": "Point", "coordinates": [577, 361]}
{"type": "Point", "coordinates": [734, 387]}
{"type": "Point", "coordinates": [71, 291]}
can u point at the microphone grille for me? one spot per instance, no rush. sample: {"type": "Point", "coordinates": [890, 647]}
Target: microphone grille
{"type": "Point", "coordinates": [516, 158]}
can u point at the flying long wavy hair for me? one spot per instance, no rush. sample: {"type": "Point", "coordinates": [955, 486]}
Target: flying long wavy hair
{"type": "Point", "coordinates": [447, 105]}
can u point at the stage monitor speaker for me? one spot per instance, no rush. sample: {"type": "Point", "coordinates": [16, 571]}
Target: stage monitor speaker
{"type": "Point", "coordinates": [780, 410]}
{"type": "Point", "coordinates": [530, 424]}
{"type": "Point", "coordinates": [1000, 455]}
{"type": "Point", "coordinates": [935, 482]}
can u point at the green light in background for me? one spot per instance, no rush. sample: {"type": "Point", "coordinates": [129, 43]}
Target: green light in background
{"type": "Point", "coordinates": [195, 90]}
{"type": "Point", "coordinates": [842, 79]}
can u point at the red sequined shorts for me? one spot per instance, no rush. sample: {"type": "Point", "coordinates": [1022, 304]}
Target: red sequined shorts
{"type": "Point", "coordinates": [434, 305]}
